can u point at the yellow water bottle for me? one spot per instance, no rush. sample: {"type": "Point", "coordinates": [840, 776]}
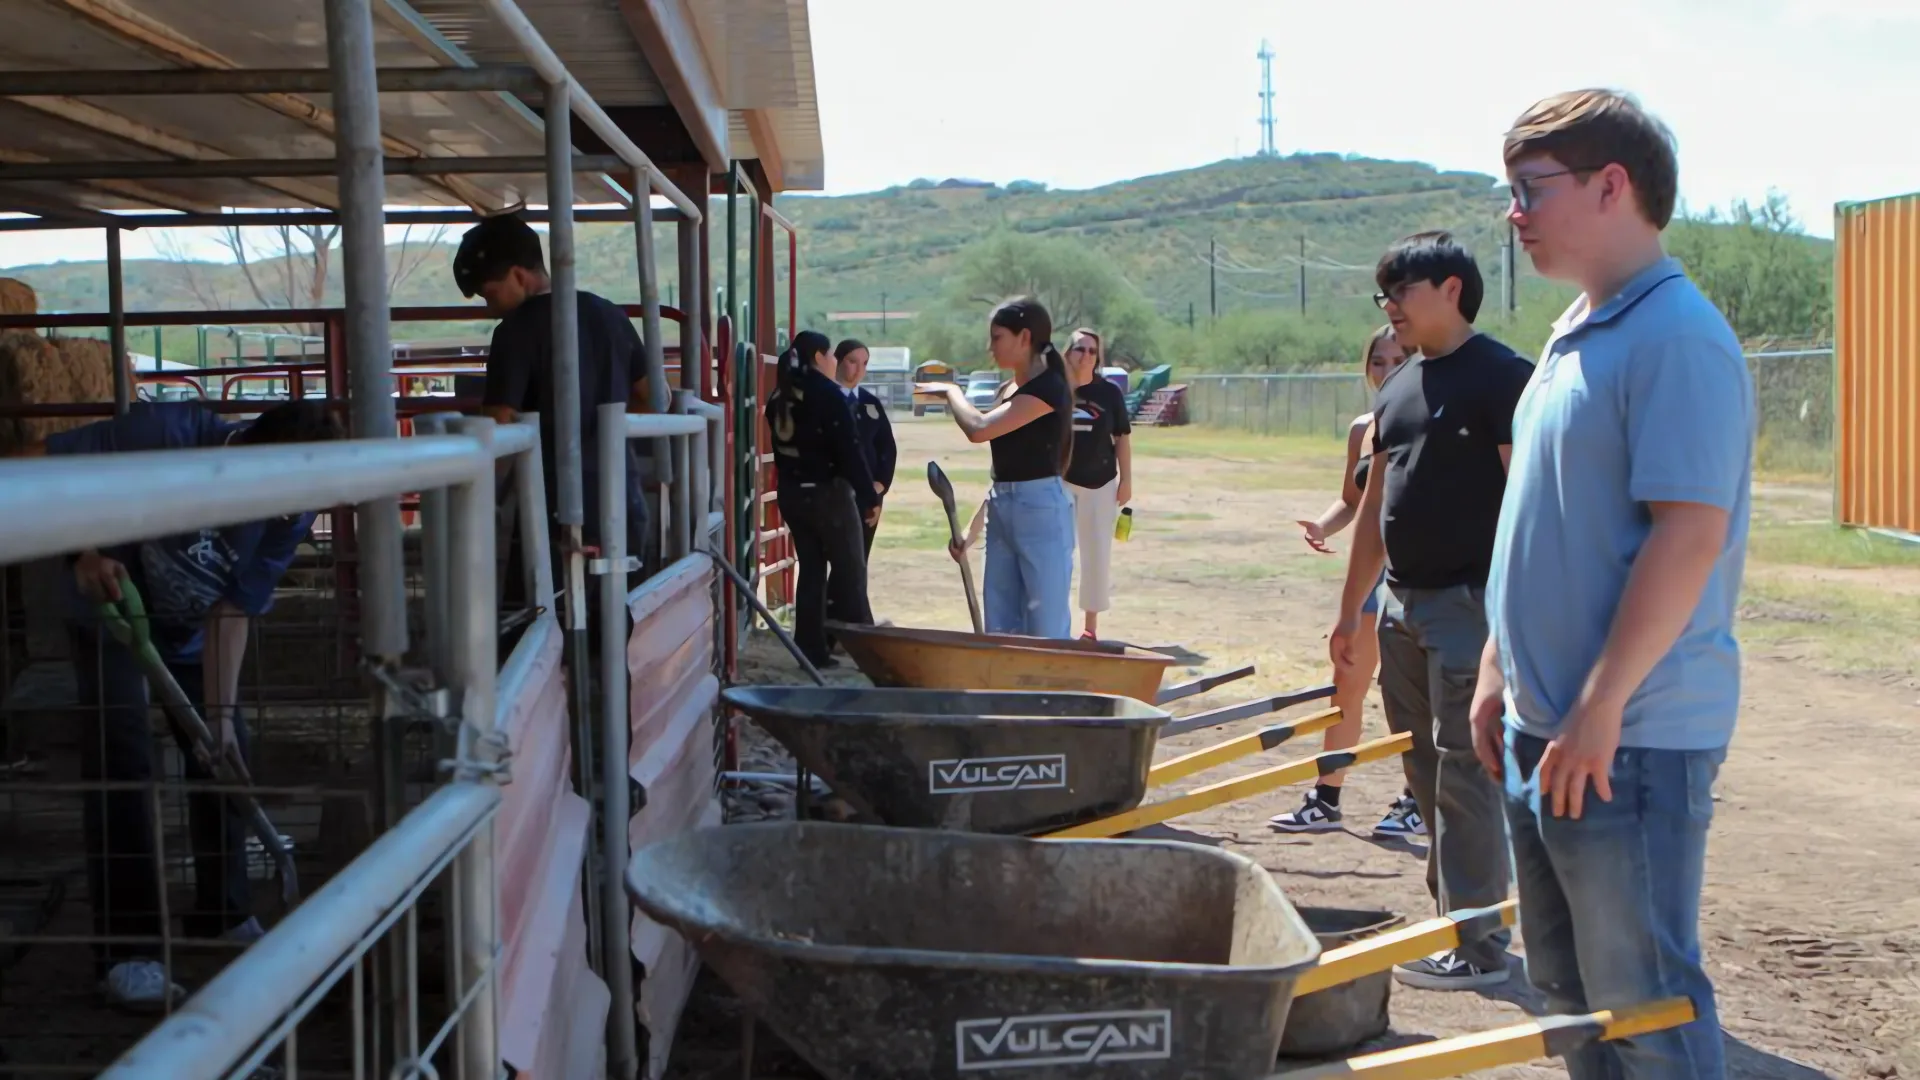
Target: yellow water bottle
{"type": "Point", "coordinates": [1123, 526]}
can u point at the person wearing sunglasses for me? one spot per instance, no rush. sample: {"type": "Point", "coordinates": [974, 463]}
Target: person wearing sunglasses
{"type": "Point", "coordinates": [1319, 810]}
{"type": "Point", "coordinates": [1442, 436]}
{"type": "Point", "coordinates": [1100, 475]}
{"type": "Point", "coordinates": [1610, 686]}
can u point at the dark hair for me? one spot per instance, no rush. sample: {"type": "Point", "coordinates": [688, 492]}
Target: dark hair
{"type": "Point", "coordinates": [1587, 130]}
{"type": "Point", "coordinates": [1025, 313]}
{"type": "Point", "coordinates": [807, 344]}
{"type": "Point", "coordinates": [493, 247]}
{"type": "Point", "coordinates": [1433, 257]}
{"type": "Point", "coordinates": [847, 348]}
{"type": "Point", "coordinates": [293, 422]}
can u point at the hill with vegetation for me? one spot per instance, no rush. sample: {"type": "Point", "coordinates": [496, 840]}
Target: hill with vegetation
{"type": "Point", "coordinates": [1209, 268]}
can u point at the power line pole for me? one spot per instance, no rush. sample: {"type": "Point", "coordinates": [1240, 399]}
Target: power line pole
{"type": "Point", "coordinates": [1507, 266]}
{"type": "Point", "coordinates": [883, 314]}
{"type": "Point", "coordinates": [1189, 315]}
{"type": "Point", "coordinates": [1266, 99]}
{"type": "Point", "coordinates": [1213, 282]}
{"type": "Point", "coordinates": [1303, 275]}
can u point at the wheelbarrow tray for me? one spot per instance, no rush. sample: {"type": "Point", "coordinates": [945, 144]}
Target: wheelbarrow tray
{"type": "Point", "coordinates": [954, 660]}
{"type": "Point", "coordinates": [899, 954]}
{"type": "Point", "coordinates": [1019, 762]}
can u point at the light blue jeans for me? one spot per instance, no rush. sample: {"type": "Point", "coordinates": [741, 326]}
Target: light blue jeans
{"type": "Point", "coordinates": [1610, 904]}
{"type": "Point", "coordinates": [1030, 559]}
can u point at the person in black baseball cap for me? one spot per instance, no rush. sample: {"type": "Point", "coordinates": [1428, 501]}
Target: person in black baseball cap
{"type": "Point", "coordinates": [500, 261]}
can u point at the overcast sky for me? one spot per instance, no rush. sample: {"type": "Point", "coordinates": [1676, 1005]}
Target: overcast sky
{"type": "Point", "coordinates": [1815, 98]}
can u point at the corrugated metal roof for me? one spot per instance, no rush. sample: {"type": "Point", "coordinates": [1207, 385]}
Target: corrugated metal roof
{"type": "Point", "coordinates": [84, 35]}
{"type": "Point", "coordinates": [762, 54]}
{"type": "Point", "coordinates": [592, 36]}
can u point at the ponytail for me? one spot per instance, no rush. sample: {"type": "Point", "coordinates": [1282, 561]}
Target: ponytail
{"type": "Point", "coordinates": [788, 368]}
{"type": "Point", "coordinates": [1064, 418]}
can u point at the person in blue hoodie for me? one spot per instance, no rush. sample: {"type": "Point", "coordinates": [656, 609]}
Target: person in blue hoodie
{"type": "Point", "coordinates": [201, 589]}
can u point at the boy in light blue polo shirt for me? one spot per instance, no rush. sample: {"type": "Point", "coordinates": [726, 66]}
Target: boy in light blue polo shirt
{"type": "Point", "coordinates": [1616, 570]}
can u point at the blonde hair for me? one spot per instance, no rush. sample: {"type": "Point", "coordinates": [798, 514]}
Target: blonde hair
{"type": "Point", "coordinates": [1099, 346]}
{"type": "Point", "coordinates": [1373, 341]}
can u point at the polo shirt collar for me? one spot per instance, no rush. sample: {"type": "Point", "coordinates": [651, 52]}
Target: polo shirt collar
{"type": "Point", "coordinates": [1630, 293]}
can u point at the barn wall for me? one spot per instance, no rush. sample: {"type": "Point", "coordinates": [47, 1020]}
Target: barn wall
{"type": "Point", "coordinates": [670, 663]}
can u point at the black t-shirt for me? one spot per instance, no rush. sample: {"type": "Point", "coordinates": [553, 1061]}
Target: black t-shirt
{"type": "Point", "coordinates": [1440, 422]}
{"type": "Point", "coordinates": [814, 437]}
{"type": "Point", "coordinates": [1099, 417]}
{"type": "Point", "coordinates": [520, 376]}
{"type": "Point", "coordinates": [1032, 451]}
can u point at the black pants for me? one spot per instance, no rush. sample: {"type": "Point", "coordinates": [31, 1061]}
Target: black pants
{"type": "Point", "coordinates": [833, 564]}
{"type": "Point", "coordinates": [866, 539]}
{"type": "Point", "coordinates": [123, 875]}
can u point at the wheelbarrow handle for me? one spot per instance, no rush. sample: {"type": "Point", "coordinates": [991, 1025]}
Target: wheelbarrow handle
{"type": "Point", "coordinates": [1253, 742]}
{"type": "Point", "coordinates": [1244, 710]}
{"type": "Point", "coordinates": [1383, 951]}
{"type": "Point", "coordinates": [1546, 1036]}
{"type": "Point", "coordinates": [1201, 685]}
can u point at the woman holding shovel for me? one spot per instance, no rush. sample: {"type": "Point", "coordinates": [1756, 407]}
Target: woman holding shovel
{"type": "Point", "coordinates": [824, 490]}
{"type": "Point", "coordinates": [1029, 514]}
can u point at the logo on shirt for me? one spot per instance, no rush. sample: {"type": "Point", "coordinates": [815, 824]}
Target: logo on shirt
{"type": "Point", "coordinates": [873, 411]}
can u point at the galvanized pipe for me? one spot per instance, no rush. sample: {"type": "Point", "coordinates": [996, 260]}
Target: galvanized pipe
{"type": "Point", "coordinates": [548, 64]}
{"type": "Point", "coordinates": [117, 325]}
{"type": "Point", "coordinates": [693, 304]}
{"type": "Point", "coordinates": [649, 296]}
{"type": "Point", "coordinates": [616, 812]}
{"type": "Point", "coordinates": [294, 218]}
{"type": "Point", "coordinates": [282, 168]}
{"type": "Point", "coordinates": [536, 536]}
{"type": "Point", "coordinates": [510, 78]}
{"type": "Point", "coordinates": [436, 528]}
{"type": "Point", "coordinates": [53, 505]}
{"type": "Point", "coordinates": [565, 306]}
{"type": "Point", "coordinates": [475, 612]}
{"type": "Point", "coordinates": [688, 401]}
{"type": "Point", "coordinates": [682, 535]}
{"type": "Point", "coordinates": [362, 182]}
{"type": "Point", "coordinates": [313, 947]}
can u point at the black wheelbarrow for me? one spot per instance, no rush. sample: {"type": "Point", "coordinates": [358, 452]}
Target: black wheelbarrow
{"type": "Point", "coordinates": [1016, 762]}
{"type": "Point", "coordinates": [916, 954]}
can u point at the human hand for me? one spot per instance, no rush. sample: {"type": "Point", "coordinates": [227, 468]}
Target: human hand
{"type": "Point", "coordinates": [958, 551]}
{"type": "Point", "coordinates": [1315, 536]}
{"type": "Point", "coordinates": [1489, 734]}
{"type": "Point", "coordinates": [98, 576]}
{"type": "Point", "coordinates": [873, 517]}
{"type": "Point", "coordinates": [1583, 753]}
{"type": "Point", "coordinates": [1125, 494]}
{"type": "Point", "coordinates": [1340, 643]}
{"type": "Point", "coordinates": [879, 488]}
{"type": "Point", "coordinates": [935, 387]}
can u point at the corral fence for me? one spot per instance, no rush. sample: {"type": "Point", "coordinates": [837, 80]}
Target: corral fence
{"type": "Point", "coordinates": [1793, 388]}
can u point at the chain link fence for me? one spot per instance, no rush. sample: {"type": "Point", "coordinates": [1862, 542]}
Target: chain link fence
{"type": "Point", "coordinates": [1794, 394]}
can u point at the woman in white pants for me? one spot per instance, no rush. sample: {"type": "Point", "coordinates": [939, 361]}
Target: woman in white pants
{"type": "Point", "coordinates": [1100, 476]}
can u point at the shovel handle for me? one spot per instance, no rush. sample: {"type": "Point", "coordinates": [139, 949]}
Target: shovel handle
{"type": "Point", "coordinates": [1378, 953]}
{"type": "Point", "coordinates": [1546, 1036]}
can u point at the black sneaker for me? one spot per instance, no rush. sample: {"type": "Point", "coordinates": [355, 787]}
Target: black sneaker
{"type": "Point", "coordinates": [1403, 819]}
{"type": "Point", "coordinates": [1315, 815]}
{"type": "Point", "coordinates": [1446, 971]}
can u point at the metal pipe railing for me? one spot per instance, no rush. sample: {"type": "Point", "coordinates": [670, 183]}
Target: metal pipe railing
{"type": "Point", "coordinates": [548, 64]}
{"type": "Point", "coordinates": [616, 807]}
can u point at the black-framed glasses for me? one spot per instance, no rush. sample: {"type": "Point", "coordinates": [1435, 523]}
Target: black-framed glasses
{"type": "Point", "coordinates": [1397, 294]}
{"type": "Point", "coordinates": [1523, 192]}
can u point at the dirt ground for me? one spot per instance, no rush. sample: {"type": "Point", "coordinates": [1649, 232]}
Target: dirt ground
{"type": "Point", "coordinates": [1811, 913]}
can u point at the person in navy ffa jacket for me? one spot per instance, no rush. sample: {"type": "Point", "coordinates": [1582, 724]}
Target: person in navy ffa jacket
{"type": "Point", "coordinates": [824, 492]}
{"type": "Point", "coordinates": [870, 423]}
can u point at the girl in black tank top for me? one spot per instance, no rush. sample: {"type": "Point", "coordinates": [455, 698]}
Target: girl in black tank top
{"type": "Point", "coordinates": [1030, 435]}
{"type": "Point", "coordinates": [1320, 811]}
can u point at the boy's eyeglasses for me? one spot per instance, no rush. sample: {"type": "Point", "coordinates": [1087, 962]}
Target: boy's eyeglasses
{"type": "Point", "coordinates": [1397, 294]}
{"type": "Point", "coordinates": [1524, 192]}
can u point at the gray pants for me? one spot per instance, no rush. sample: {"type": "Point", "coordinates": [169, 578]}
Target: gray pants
{"type": "Point", "coordinates": [1430, 643]}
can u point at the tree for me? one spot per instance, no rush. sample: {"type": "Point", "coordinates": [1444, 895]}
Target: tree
{"type": "Point", "coordinates": [1076, 285]}
{"type": "Point", "coordinates": [1760, 269]}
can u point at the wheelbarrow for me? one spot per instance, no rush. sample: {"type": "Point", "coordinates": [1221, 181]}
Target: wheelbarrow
{"type": "Point", "coordinates": [956, 660]}
{"type": "Point", "coordinates": [1017, 762]}
{"type": "Point", "coordinates": [911, 954]}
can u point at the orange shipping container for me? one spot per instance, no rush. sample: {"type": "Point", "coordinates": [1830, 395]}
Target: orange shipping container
{"type": "Point", "coordinates": [1877, 361]}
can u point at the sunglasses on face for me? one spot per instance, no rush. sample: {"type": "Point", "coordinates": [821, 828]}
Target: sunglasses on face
{"type": "Point", "coordinates": [1080, 349]}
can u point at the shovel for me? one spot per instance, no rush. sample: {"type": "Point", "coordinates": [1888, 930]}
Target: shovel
{"type": "Point", "coordinates": [943, 489]}
{"type": "Point", "coordinates": [127, 621]}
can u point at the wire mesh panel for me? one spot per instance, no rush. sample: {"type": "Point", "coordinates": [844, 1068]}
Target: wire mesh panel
{"type": "Point", "coordinates": [1278, 404]}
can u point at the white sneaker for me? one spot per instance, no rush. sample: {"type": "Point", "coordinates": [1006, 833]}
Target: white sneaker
{"type": "Point", "coordinates": [1403, 819]}
{"type": "Point", "coordinates": [140, 985]}
{"type": "Point", "coordinates": [1446, 971]}
{"type": "Point", "coordinates": [1315, 815]}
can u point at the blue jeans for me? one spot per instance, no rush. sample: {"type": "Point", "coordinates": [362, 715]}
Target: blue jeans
{"type": "Point", "coordinates": [1610, 904]}
{"type": "Point", "coordinates": [1029, 559]}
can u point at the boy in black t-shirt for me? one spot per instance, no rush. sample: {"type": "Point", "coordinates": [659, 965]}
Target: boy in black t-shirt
{"type": "Point", "coordinates": [1442, 436]}
{"type": "Point", "coordinates": [500, 261]}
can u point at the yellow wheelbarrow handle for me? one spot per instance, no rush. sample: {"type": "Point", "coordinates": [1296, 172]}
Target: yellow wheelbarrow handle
{"type": "Point", "coordinates": [1233, 749]}
{"type": "Point", "coordinates": [1547, 1036]}
{"type": "Point", "coordinates": [1378, 953]}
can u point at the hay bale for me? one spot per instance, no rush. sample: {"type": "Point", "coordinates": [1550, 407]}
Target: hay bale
{"type": "Point", "coordinates": [17, 298]}
{"type": "Point", "coordinates": [35, 371]}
